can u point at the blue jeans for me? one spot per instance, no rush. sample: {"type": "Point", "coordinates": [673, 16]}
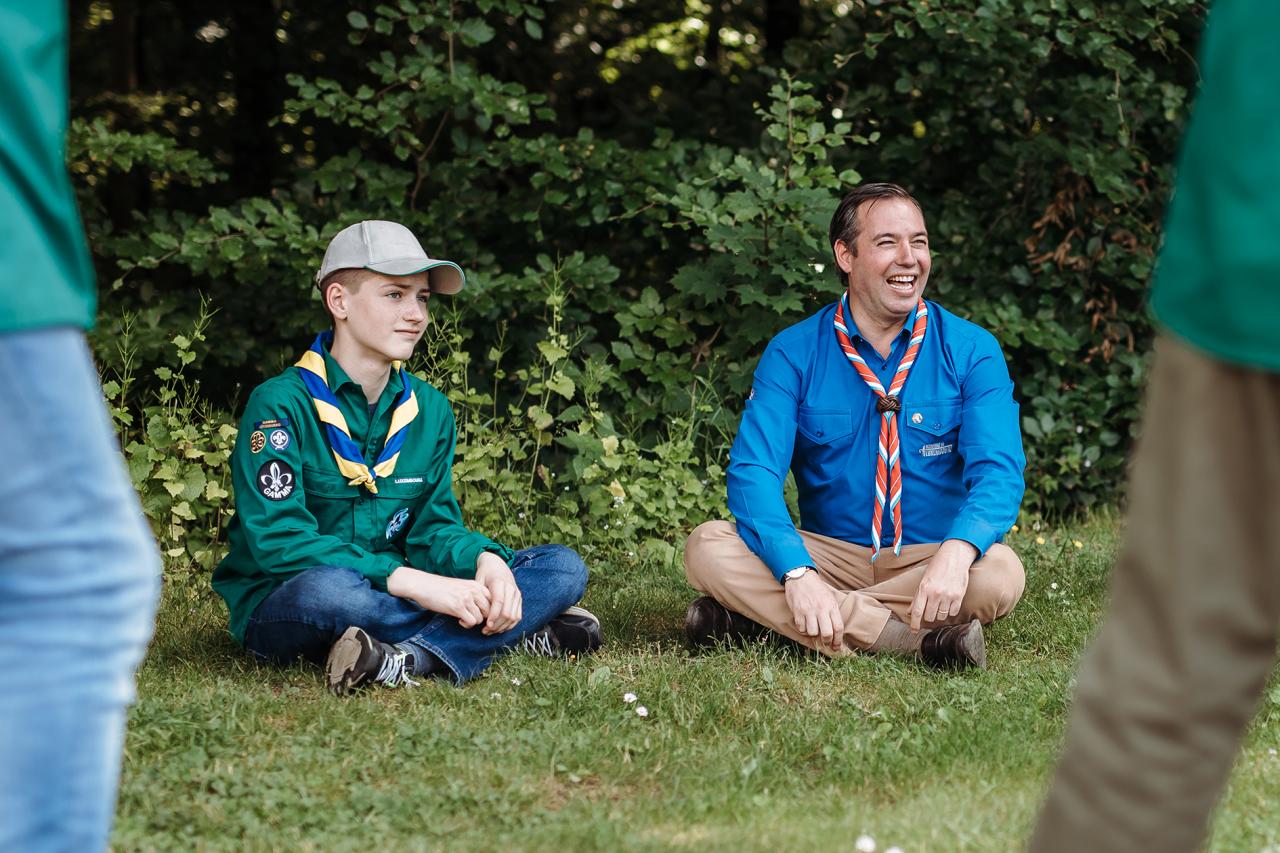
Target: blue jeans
{"type": "Point", "coordinates": [79, 575]}
{"type": "Point", "coordinates": [310, 611]}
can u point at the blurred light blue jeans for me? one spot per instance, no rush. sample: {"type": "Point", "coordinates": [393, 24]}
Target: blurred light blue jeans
{"type": "Point", "coordinates": [309, 611]}
{"type": "Point", "coordinates": [79, 575]}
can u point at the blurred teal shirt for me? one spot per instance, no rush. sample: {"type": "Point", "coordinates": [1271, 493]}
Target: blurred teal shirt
{"type": "Point", "coordinates": [1217, 283]}
{"type": "Point", "coordinates": [810, 412]}
{"type": "Point", "coordinates": [48, 277]}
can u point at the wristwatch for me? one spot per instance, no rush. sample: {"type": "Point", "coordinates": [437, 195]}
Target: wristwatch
{"type": "Point", "coordinates": [796, 574]}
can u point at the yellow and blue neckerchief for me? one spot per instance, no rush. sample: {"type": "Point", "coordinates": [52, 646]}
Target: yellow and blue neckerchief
{"type": "Point", "coordinates": [345, 451]}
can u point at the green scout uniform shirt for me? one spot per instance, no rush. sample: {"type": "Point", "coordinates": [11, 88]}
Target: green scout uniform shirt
{"type": "Point", "coordinates": [295, 511]}
{"type": "Point", "coordinates": [1218, 281]}
{"type": "Point", "coordinates": [49, 280]}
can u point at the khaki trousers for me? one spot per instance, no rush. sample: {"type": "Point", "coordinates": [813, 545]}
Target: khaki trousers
{"type": "Point", "coordinates": [1168, 687]}
{"type": "Point", "coordinates": [718, 563]}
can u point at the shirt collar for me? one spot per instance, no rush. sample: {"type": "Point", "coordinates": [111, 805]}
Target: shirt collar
{"type": "Point", "coordinates": [906, 327]}
{"type": "Point", "coordinates": [339, 378]}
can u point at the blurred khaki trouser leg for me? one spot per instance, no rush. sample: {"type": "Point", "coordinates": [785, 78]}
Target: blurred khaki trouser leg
{"type": "Point", "coordinates": [1174, 676]}
{"type": "Point", "coordinates": [720, 564]}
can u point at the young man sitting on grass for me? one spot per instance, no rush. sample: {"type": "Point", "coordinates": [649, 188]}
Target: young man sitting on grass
{"type": "Point", "coordinates": [347, 545]}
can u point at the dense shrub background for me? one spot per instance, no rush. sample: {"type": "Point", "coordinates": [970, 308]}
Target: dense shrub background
{"type": "Point", "coordinates": [639, 192]}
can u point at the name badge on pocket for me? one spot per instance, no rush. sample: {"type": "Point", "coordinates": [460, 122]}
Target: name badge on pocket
{"type": "Point", "coordinates": [937, 449]}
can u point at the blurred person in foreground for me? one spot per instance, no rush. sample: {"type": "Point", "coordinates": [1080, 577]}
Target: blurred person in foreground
{"type": "Point", "coordinates": [78, 567]}
{"type": "Point", "coordinates": [898, 420]}
{"type": "Point", "coordinates": [1169, 685]}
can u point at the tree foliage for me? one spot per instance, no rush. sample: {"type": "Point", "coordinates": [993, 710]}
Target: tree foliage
{"type": "Point", "coordinates": [639, 193]}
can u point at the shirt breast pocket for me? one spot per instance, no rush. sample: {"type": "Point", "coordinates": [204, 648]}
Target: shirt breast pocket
{"type": "Point", "coordinates": [330, 501]}
{"type": "Point", "coordinates": [932, 432]}
{"type": "Point", "coordinates": [397, 507]}
{"type": "Point", "coordinates": [824, 441]}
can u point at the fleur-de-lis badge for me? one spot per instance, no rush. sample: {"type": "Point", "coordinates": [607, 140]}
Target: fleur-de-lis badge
{"type": "Point", "coordinates": [275, 479]}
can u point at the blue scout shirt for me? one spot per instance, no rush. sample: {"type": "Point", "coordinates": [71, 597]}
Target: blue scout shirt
{"type": "Point", "coordinates": [809, 410]}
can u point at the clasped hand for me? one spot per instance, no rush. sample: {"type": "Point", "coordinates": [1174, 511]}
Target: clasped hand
{"type": "Point", "coordinates": [492, 598]}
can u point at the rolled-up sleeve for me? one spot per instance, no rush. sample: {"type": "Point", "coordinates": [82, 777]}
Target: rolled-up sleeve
{"type": "Point", "coordinates": [990, 444]}
{"type": "Point", "coordinates": [758, 464]}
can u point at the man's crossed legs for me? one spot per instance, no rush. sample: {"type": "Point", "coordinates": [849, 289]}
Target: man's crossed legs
{"type": "Point", "coordinates": [875, 599]}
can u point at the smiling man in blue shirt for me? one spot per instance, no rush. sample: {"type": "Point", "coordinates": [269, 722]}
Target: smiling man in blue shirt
{"type": "Point", "coordinates": [898, 420]}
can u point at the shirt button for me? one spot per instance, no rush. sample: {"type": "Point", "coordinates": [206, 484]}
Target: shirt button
{"type": "Point", "coordinates": [819, 433]}
{"type": "Point", "coordinates": [937, 425]}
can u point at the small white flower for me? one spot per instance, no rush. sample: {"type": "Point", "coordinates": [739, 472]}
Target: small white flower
{"type": "Point", "coordinates": [1088, 463]}
{"type": "Point", "coordinates": [642, 711]}
{"type": "Point", "coordinates": [818, 268]}
{"type": "Point", "coordinates": [516, 682]}
{"type": "Point", "coordinates": [495, 695]}
{"type": "Point", "coordinates": [631, 553]}
{"type": "Point", "coordinates": [1079, 430]}
{"type": "Point", "coordinates": [1053, 586]}
{"type": "Point", "coordinates": [566, 488]}
{"type": "Point", "coordinates": [631, 697]}
{"type": "Point", "coordinates": [606, 525]}
{"type": "Point", "coordinates": [1271, 752]}
{"type": "Point", "coordinates": [865, 844]}
{"type": "Point", "coordinates": [520, 515]}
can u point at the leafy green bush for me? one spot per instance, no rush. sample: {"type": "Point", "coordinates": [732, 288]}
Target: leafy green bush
{"type": "Point", "coordinates": [1037, 133]}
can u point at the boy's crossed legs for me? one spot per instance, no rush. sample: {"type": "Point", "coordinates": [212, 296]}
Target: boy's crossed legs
{"type": "Point", "coordinates": [366, 635]}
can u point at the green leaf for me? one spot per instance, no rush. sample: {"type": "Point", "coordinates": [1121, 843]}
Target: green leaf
{"type": "Point", "coordinates": [562, 385]}
{"type": "Point", "coordinates": [476, 31]}
{"type": "Point", "coordinates": [357, 20]}
{"type": "Point", "coordinates": [533, 28]}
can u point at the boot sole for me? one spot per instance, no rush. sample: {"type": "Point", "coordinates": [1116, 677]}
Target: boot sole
{"type": "Point", "coordinates": [575, 610]}
{"type": "Point", "coordinates": [342, 660]}
{"type": "Point", "coordinates": [974, 646]}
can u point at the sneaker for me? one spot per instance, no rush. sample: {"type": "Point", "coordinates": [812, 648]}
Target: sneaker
{"type": "Point", "coordinates": [574, 632]}
{"type": "Point", "coordinates": [357, 659]}
{"type": "Point", "coordinates": [955, 647]}
{"type": "Point", "coordinates": [707, 622]}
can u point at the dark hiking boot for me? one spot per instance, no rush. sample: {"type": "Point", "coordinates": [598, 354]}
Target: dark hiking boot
{"type": "Point", "coordinates": [357, 660]}
{"type": "Point", "coordinates": [955, 647]}
{"type": "Point", "coordinates": [708, 622]}
{"type": "Point", "coordinates": [574, 632]}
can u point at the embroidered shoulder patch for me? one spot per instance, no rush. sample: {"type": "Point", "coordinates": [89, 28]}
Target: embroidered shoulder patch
{"type": "Point", "coordinates": [272, 423]}
{"type": "Point", "coordinates": [275, 480]}
{"type": "Point", "coordinates": [279, 439]}
{"type": "Point", "coordinates": [257, 441]}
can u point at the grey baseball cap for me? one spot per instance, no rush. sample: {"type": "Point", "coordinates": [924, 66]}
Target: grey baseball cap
{"type": "Point", "coordinates": [387, 247]}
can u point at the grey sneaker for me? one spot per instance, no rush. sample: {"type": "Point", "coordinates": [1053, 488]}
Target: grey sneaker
{"type": "Point", "coordinates": [357, 659]}
{"type": "Point", "coordinates": [574, 632]}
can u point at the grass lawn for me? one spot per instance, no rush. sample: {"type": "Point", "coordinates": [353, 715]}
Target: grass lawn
{"type": "Point", "coordinates": [755, 749]}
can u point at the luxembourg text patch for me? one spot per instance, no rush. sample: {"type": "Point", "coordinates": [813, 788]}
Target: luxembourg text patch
{"type": "Point", "coordinates": [275, 480]}
{"type": "Point", "coordinates": [396, 524]}
{"type": "Point", "coordinates": [272, 423]}
{"type": "Point", "coordinates": [257, 441]}
{"type": "Point", "coordinates": [407, 480]}
{"type": "Point", "coordinates": [937, 449]}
